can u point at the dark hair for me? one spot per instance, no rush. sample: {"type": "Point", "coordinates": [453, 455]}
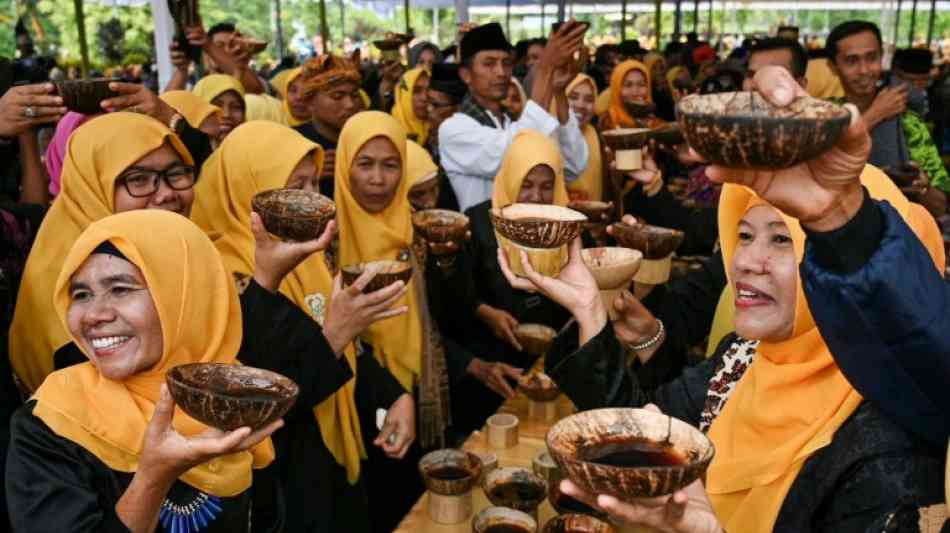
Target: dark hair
{"type": "Point", "coordinates": [799, 56]}
{"type": "Point", "coordinates": [847, 29]}
{"type": "Point", "coordinates": [603, 52]}
{"type": "Point", "coordinates": [222, 27]}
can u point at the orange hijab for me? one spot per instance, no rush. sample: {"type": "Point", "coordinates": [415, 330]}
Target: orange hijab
{"type": "Point", "coordinates": [590, 184]}
{"type": "Point", "coordinates": [200, 317]}
{"type": "Point", "coordinates": [793, 398]}
{"type": "Point", "coordinates": [616, 112]}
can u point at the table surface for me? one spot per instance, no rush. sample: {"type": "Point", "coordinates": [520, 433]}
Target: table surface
{"type": "Point", "coordinates": [534, 419]}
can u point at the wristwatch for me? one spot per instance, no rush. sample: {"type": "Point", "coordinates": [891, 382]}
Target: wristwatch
{"type": "Point", "coordinates": [177, 124]}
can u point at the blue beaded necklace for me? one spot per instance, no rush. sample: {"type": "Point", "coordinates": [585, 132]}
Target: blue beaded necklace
{"type": "Point", "coordinates": [189, 518]}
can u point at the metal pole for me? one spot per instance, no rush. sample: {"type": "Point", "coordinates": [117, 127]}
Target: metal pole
{"type": "Point", "coordinates": [930, 24]}
{"type": "Point", "coordinates": [561, 8]}
{"type": "Point", "coordinates": [676, 20]}
{"type": "Point", "coordinates": [324, 29]}
{"type": "Point", "coordinates": [695, 16]}
{"type": "Point", "coordinates": [658, 22]}
{"type": "Point", "coordinates": [342, 20]}
{"type": "Point", "coordinates": [623, 20]}
{"type": "Point", "coordinates": [913, 24]}
{"type": "Point", "coordinates": [461, 10]}
{"type": "Point", "coordinates": [406, 8]}
{"type": "Point", "coordinates": [542, 18]}
{"type": "Point", "coordinates": [508, 18]}
{"type": "Point", "coordinates": [709, 32]}
{"type": "Point", "coordinates": [279, 38]}
{"type": "Point", "coordinates": [81, 27]}
{"type": "Point", "coordinates": [897, 21]}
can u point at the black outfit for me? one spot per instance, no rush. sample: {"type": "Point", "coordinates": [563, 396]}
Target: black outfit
{"type": "Point", "coordinates": [665, 106]}
{"type": "Point", "coordinates": [198, 144]}
{"type": "Point", "coordinates": [447, 198]}
{"type": "Point", "coordinates": [54, 484]}
{"type": "Point", "coordinates": [308, 130]}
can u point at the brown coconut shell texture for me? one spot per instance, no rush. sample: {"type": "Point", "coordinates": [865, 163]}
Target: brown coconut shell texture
{"type": "Point", "coordinates": [294, 214]}
{"type": "Point", "coordinates": [742, 129]}
{"type": "Point", "coordinates": [231, 396]}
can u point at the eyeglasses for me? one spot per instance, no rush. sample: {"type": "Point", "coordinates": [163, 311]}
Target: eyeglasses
{"type": "Point", "coordinates": [140, 182]}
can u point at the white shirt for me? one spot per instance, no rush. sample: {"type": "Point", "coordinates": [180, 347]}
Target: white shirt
{"type": "Point", "coordinates": [471, 154]}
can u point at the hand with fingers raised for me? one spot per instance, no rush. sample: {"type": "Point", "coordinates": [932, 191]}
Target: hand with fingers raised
{"type": "Point", "coordinates": [28, 106]}
{"type": "Point", "coordinates": [495, 376]}
{"type": "Point", "coordinates": [350, 312]}
{"type": "Point", "coordinates": [138, 98]}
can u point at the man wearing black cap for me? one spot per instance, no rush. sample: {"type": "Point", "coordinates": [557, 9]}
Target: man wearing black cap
{"type": "Point", "coordinates": [473, 141]}
{"type": "Point", "coordinates": [445, 94]}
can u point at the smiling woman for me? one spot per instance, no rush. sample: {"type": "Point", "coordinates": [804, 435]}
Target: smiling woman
{"type": "Point", "coordinates": [106, 170]}
{"type": "Point", "coordinates": [99, 446]}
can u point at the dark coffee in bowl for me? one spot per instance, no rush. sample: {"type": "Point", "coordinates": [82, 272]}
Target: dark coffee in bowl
{"type": "Point", "coordinates": [449, 473]}
{"type": "Point", "coordinates": [512, 494]}
{"type": "Point", "coordinates": [572, 505]}
{"type": "Point", "coordinates": [632, 454]}
{"type": "Point", "coordinates": [506, 528]}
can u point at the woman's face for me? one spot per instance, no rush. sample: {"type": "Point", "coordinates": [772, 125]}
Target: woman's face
{"type": "Point", "coordinates": [420, 99]}
{"type": "Point", "coordinates": [232, 112]}
{"type": "Point", "coordinates": [375, 174]}
{"type": "Point", "coordinates": [582, 100]}
{"type": "Point", "coordinates": [513, 102]}
{"type": "Point", "coordinates": [304, 175]}
{"type": "Point", "coordinates": [298, 100]}
{"type": "Point", "coordinates": [634, 88]}
{"type": "Point", "coordinates": [158, 160]}
{"type": "Point", "coordinates": [425, 195]}
{"type": "Point", "coordinates": [538, 186]}
{"type": "Point", "coordinates": [426, 59]}
{"type": "Point", "coordinates": [765, 277]}
{"type": "Point", "coordinates": [112, 316]}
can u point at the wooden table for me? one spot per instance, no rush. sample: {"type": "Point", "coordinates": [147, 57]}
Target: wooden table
{"type": "Point", "coordinates": [534, 421]}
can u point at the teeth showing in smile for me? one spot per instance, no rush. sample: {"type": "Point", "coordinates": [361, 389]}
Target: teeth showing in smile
{"type": "Point", "coordinates": [747, 294]}
{"type": "Point", "coordinates": [108, 342]}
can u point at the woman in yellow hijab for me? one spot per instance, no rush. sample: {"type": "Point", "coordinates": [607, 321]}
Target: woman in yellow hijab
{"type": "Point", "coordinates": [98, 179]}
{"type": "Point", "coordinates": [411, 107]}
{"type": "Point", "coordinates": [100, 445]}
{"type": "Point", "coordinates": [227, 93]}
{"type": "Point", "coordinates": [321, 449]}
{"type": "Point", "coordinates": [581, 93]}
{"type": "Point", "coordinates": [199, 114]}
{"type": "Point", "coordinates": [793, 438]}
{"type": "Point", "coordinates": [296, 98]}
{"type": "Point", "coordinates": [629, 84]}
{"type": "Point", "coordinates": [531, 172]}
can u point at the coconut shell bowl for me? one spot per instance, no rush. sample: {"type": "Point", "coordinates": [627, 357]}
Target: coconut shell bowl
{"type": "Point", "coordinates": [542, 231]}
{"type": "Point", "coordinates": [228, 397]}
{"type": "Point", "coordinates": [640, 109]}
{"type": "Point", "coordinates": [85, 96]}
{"type": "Point", "coordinates": [539, 387]}
{"type": "Point", "coordinates": [450, 472]}
{"type": "Point", "coordinates": [657, 245]}
{"type": "Point", "coordinates": [577, 523]}
{"type": "Point", "coordinates": [613, 268]}
{"type": "Point", "coordinates": [503, 519]}
{"type": "Point", "coordinates": [668, 135]}
{"type": "Point", "coordinates": [441, 225]}
{"type": "Point", "coordinates": [629, 453]}
{"type": "Point", "coordinates": [294, 214]}
{"type": "Point", "coordinates": [388, 272]}
{"type": "Point", "coordinates": [515, 488]}
{"type": "Point", "coordinates": [597, 213]}
{"type": "Point", "coordinates": [536, 339]}
{"type": "Point", "coordinates": [743, 129]}
{"type": "Point", "coordinates": [626, 144]}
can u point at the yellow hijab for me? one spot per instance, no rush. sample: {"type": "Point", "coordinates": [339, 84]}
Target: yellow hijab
{"type": "Point", "coordinates": [590, 184]}
{"type": "Point", "coordinates": [229, 180]}
{"type": "Point", "coordinates": [403, 110]}
{"type": "Point", "coordinates": [291, 77]}
{"type": "Point", "coordinates": [397, 342]}
{"type": "Point", "coordinates": [280, 82]}
{"type": "Point", "coordinates": [822, 81]}
{"type": "Point", "coordinates": [192, 108]}
{"type": "Point", "coordinates": [95, 156]}
{"type": "Point", "coordinates": [616, 111]}
{"type": "Point", "coordinates": [264, 107]}
{"type": "Point", "coordinates": [419, 165]}
{"type": "Point", "coordinates": [528, 149]}
{"type": "Point", "coordinates": [792, 398]}
{"type": "Point", "coordinates": [214, 85]}
{"type": "Point", "coordinates": [200, 315]}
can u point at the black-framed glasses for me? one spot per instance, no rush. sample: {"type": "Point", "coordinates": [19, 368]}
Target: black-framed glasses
{"type": "Point", "coordinates": [141, 182]}
{"type": "Point", "coordinates": [440, 105]}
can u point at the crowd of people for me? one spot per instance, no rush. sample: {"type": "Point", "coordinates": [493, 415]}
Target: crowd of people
{"type": "Point", "coordinates": [806, 336]}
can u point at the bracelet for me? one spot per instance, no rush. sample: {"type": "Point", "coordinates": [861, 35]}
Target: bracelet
{"type": "Point", "coordinates": [652, 341]}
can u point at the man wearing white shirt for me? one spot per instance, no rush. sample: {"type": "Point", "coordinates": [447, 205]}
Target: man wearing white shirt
{"type": "Point", "coordinates": [473, 141]}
